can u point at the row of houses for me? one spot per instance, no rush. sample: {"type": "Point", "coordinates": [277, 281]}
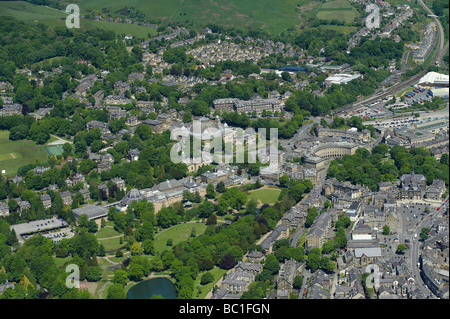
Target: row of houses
{"type": "Point", "coordinates": [256, 105]}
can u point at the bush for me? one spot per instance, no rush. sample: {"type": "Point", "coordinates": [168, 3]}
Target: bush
{"type": "Point", "coordinates": [93, 273]}
{"type": "Point", "coordinates": [207, 278]}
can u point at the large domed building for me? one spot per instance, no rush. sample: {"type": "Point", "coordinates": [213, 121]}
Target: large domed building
{"type": "Point", "coordinates": [133, 195]}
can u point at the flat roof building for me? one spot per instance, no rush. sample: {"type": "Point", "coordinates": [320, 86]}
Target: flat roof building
{"type": "Point", "coordinates": [342, 78]}
{"type": "Point", "coordinates": [92, 211]}
{"type": "Point", "coordinates": [434, 79]}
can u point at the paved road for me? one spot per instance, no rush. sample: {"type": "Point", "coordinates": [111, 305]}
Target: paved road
{"type": "Point", "coordinates": [416, 247]}
{"type": "Point", "coordinates": [59, 141]}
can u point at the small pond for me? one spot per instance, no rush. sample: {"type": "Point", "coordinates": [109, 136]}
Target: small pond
{"type": "Point", "coordinates": [156, 286]}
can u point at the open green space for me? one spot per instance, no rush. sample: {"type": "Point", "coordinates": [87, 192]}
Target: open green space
{"type": "Point", "coordinates": [14, 154]}
{"type": "Point", "coordinates": [110, 243]}
{"type": "Point", "coordinates": [200, 291]}
{"type": "Point", "coordinates": [28, 12]}
{"type": "Point", "coordinates": [274, 16]}
{"type": "Point", "coordinates": [340, 10]}
{"type": "Point", "coordinates": [25, 11]}
{"type": "Point", "coordinates": [266, 196]}
{"type": "Point", "coordinates": [123, 28]}
{"type": "Point", "coordinates": [107, 232]}
{"type": "Point", "coordinates": [177, 233]}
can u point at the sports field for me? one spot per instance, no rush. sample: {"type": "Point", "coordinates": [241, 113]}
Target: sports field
{"type": "Point", "coordinates": [54, 150]}
{"type": "Point", "coordinates": [14, 154]}
{"type": "Point", "coordinates": [340, 10]}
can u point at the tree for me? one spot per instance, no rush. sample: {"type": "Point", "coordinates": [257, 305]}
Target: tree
{"type": "Point", "coordinates": [296, 191]}
{"type": "Point", "coordinates": [116, 291]}
{"type": "Point", "coordinates": [206, 278]}
{"type": "Point", "coordinates": [83, 221]}
{"type": "Point", "coordinates": [227, 262]}
{"type": "Point", "coordinates": [93, 273]}
{"type": "Point", "coordinates": [401, 248]}
{"type": "Point", "coordinates": [298, 282]}
{"type": "Point", "coordinates": [148, 247]}
{"type": "Point", "coordinates": [311, 216]}
{"type": "Point", "coordinates": [220, 187]}
{"type": "Point", "coordinates": [136, 249]}
{"type": "Point", "coordinates": [386, 230]}
{"type": "Point", "coordinates": [424, 233]}
{"type": "Point", "coordinates": [210, 193]}
{"type": "Point", "coordinates": [120, 277]}
{"type": "Point", "coordinates": [284, 180]}
{"type": "Point", "coordinates": [187, 117]}
{"type": "Point", "coordinates": [252, 207]}
{"type": "Point", "coordinates": [212, 220]}
{"type": "Point", "coordinates": [313, 261]}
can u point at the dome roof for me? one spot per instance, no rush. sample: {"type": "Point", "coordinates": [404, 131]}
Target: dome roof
{"type": "Point", "coordinates": [133, 195]}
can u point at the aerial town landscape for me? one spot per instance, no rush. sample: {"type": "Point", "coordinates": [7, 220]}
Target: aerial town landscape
{"type": "Point", "coordinates": [348, 201]}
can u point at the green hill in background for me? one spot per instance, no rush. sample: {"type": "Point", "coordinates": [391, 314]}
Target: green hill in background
{"type": "Point", "coordinates": [273, 16]}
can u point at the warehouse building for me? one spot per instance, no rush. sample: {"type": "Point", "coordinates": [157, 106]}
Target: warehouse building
{"type": "Point", "coordinates": [434, 80]}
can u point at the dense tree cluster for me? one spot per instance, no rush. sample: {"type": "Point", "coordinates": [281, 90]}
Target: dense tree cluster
{"type": "Point", "coordinates": [384, 164]}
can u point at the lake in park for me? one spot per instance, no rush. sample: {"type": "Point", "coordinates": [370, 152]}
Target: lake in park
{"type": "Point", "coordinates": [156, 286]}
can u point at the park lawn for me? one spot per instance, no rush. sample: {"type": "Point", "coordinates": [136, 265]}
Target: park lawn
{"type": "Point", "coordinates": [200, 290]}
{"type": "Point", "coordinates": [14, 154]}
{"type": "Point", "coordinates": [266, 196]}
{"type": "Point", "coordinates": [107, 232]}
{"type": "Point", "coordinates": [59, 262]}
{"type": "Point", "coordinates": [110, 243]}
{"type": "Point", "coordinates": [177, 233]}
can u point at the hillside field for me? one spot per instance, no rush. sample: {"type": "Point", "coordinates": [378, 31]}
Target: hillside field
{"type": "Point", "coordinates": [30, 13]}
{"type": "Point", "coordinates": [274, 16]}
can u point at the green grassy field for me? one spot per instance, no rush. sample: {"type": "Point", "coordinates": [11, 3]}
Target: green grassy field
{"type": "Point", "coordinates": [14, 154]}
{"type": "Point", "coordinates": [177, 233]}
{"type": "Point", "coordinates": [266, 196]}
{"type": "Point", "coordinates": [337, 9]}
{"type": "Point", "coordinates": [271, 15]}
{"type": "Point", "coordinates": [30, 13]}
{"type": "Point", "coordinates": [107, 232]}
{"type": "Point", "coordinates": [200, 290]}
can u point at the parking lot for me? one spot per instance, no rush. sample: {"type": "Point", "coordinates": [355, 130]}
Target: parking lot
{"type": "Point", "coordinates": [55, 235]}
{"type": "Point", "coordinates": [418, 95]}
{"type": "Point", "coordinates": [398, 122]}
{"type": "Point", "coordinates": [373, 110]}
